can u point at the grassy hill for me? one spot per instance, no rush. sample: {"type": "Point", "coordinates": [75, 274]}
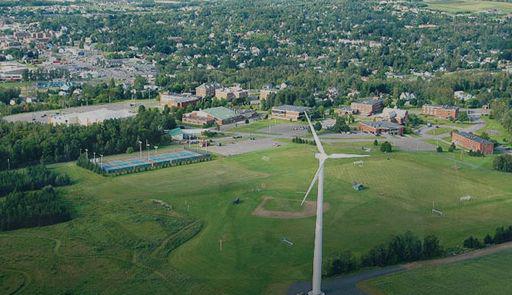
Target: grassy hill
{"type": "Point", "coordinates": [122, 242]}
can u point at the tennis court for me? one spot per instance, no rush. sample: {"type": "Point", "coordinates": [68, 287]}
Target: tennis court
{"type": "Point", "coordinates": [154, 160]}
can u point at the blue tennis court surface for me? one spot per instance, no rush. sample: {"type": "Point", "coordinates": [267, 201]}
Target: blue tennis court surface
{"type": "Point", "coordinates": [171, 158]}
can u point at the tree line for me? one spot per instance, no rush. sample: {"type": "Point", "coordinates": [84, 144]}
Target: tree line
{"type": "Point", "coordinates": [501, 235]}
{"type": "Point", "coordinates": [399, 249]}
{"type": "Point", "coordinates": [35, 208]}
{"type": "Point", "coordinates": [31, 143]}
{"type": "Point", "coordinates": [32, 178]}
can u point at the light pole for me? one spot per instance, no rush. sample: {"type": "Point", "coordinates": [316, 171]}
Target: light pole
{"type": "Point", "coordinates": [140, 149]}
{"type": "Point", "coordinates": [147, 147]}
{"type": "Point", "coordinates": [101, 161]}
{"type": "Point", "coordinates": [8, 164]}
{"type": "Point", "coordinates": [86, 153]}
{"type": "Point", "coordinates": [94, 157]}
{"type": "Point", "coordinates": [156, 148]}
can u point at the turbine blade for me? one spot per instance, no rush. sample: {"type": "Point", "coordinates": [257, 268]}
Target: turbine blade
{"type": "Point", "coordinates": [345, 156]}
{"type": "Point", "coordinates": [315, 137]}
{"type": "Point", "coordinates": [315, 178]}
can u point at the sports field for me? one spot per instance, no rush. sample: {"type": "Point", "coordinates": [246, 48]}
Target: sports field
{"type": "Point", "coordinates": [123, 242]}
{"type": "Point", "coordinates": [485, 275]}
{"type": "Point", "coordinates": [456, 6]}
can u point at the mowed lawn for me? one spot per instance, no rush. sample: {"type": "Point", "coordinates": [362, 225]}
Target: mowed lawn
{"type": "Point", "coordinates": [485, 275]}
{"type": "Point", "coordinates": [455, 6]}
{"type": "Point", "coordinates": [260, 126]}
{"type": "Point", "coordinates": [119, 241]}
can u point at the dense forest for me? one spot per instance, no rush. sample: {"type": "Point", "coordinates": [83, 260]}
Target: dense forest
{"type": "Point", "coordinates": [30, 143]}
{"type": "Point", "coordinates": [36, 208]}
{"type": "Point", "coordinates": [31, 178]}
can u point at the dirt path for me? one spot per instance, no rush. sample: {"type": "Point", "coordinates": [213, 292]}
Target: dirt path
{"type": "Point", "coordinates": [355, 284]}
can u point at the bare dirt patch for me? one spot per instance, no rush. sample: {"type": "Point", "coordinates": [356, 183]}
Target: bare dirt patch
{"type": "Point", "coordinates": [308, 210]}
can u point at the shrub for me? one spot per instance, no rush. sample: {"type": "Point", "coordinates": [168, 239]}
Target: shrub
{"type": "Point", "coordinates": [472, 243]}
{"type": "Point", "coordinates": [452, 147]}
{"type": "Point", "coordinates": [386, 147]}
{"type": "Point", "coordinates": [439, 149]}
{"type": "Point", "coordinates": [503, 163]}
{"type": "Point", "coordinates": [344, 262]}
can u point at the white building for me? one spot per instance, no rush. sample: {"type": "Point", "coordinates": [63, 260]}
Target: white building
{"type": "Point", "coordinates": [91, 117]}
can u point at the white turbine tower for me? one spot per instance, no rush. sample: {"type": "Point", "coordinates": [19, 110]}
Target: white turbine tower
{"type": "Point", "coordinates": [319, 176]}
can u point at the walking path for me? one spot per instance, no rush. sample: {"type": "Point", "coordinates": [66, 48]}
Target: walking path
{"type": "Point", "coordinates": [348, 284]}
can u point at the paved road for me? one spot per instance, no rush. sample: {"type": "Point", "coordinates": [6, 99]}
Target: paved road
{"type": "Point", "coordinates": [347, 285]}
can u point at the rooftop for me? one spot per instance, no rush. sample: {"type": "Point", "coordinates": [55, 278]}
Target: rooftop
{"type": "Point", "coordinates": [222, 113]}
{"type": "Point", "coordinates": [474, 137]}
{"type": "Point", "coordinates": [442, 106]}
{"type": "Point", "coordinates": [291, 108]}
{"type": "Point", "coordinates": [382, 124]}
{"type": "Point", "coordinates": [179, 98]}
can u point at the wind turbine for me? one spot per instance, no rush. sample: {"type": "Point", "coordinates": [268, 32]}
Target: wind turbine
{"type": "Point", "coordinates": [319, 176]}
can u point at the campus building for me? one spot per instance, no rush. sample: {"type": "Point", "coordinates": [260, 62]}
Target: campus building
{"type": "Point", "coordinates": [230, 93]}
{"type": "Point", "coordinates": [206, 89]}
{"type": "Point", "coordinates": [288, 112]}
{"type": "Point", "coordinates": [218, 115]}
{"type": "Point", "coordinates": [472, 142]}
{"type": "Point", "coordinates": [444, 112]}
{"type": "Point", "coordinates": [91, 117]}
{"type": "Point", "coordinates": [367, 107]}
{"type": "Point", "coordinates": [381, 127]}
{"type": "Point", "coordinates": [395, 115]}
{"type": "Point", "coordinates": [177, 100]}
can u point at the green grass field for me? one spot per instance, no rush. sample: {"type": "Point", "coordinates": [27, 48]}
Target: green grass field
{"type": "Point", "coordinates": [468, 6]}
{"type": "Point", "coordinates": [261, 126]}
{"type": "Point", "coordinates": [485, 275]}
{"type": "Point", "coordinates": [440, 130]}
{"type": "Point", "coordinates": [120, 242]}
{"type": "Point", "coordinates": [496, 131]}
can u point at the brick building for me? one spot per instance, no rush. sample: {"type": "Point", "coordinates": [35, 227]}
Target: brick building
{"type": "Point", "coordinates": [381, 127]}
{"type": "Point", "coordinates": [218, 115]}
{"type": "Point", "coordinates": [288, 112]}
{"type": "Point", "coordinates": [445, 112]}
{"type": "Point", "coordinates": [230, 93]}
{"type": "Point", "coordinates": [472, 142]}
{"type": "Point", "coordinates": [178, 100]}
{"type": "Point", "coordinates": [206, 89]}
{"type": "Point", "coordinates": [367, 106]}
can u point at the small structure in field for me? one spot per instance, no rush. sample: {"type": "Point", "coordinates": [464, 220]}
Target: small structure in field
{"type": "Point", "coordinates": [357, 186]}
{"type": "Point", "coordinates": [436, 211]}
{"type": "Point", "coordinates": [465, 198]}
